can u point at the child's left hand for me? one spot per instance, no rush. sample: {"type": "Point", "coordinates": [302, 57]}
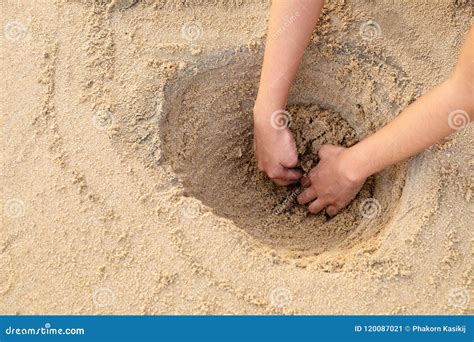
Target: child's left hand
{"type": "Point", "coordinates": [333, 183]}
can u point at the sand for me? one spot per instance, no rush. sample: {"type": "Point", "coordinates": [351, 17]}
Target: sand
{"type": "Point", "coordinates": [128, 183]}
{"type": "Point", "coordinates": [214, 161]}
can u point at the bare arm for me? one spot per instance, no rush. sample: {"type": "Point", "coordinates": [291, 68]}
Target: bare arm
{"type": "Point", "coordinates": [423, 123]}
{"type": "Point", "coordinates": [341, 172]}
{"type": "Point", "coordinates": [290, 27]}
{"type": "Point", "coordinates": [289, 30]}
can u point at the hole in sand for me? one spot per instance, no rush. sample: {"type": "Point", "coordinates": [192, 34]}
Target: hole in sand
{"type": "Point", "coordinates": [207, 137]}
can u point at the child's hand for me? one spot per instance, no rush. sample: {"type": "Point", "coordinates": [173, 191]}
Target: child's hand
{"type": "Point", "coordinates": [276, 153]}
{"type": "Point", "coordinates": [333, 183]}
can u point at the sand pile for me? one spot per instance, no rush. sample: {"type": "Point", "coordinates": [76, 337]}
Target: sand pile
{"type": "Point", "coordinates": [129, 184]}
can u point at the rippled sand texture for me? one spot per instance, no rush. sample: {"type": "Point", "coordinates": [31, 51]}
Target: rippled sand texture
{"type": "Point", "coordinates": [128, 183]}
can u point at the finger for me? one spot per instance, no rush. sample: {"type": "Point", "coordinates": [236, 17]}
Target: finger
{"type": "Point", "coordinates": [282, 182]}
{"type": "Point", "coordinates": [332, 210]}
{"type": "Point", "coordinates": [305, 182]}
{"type": "Point", "coordinates": [308, 195]}
{"type": "Point", "coordinates": [285, 174]}
{"type": "Point", "coordinates": [277, 172]}
{"type": "Point", "coordinates": [293, 175]}
{"type": "Point", "coordinates": [316, 206]}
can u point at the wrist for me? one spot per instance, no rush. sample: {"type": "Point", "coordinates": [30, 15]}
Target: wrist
{"type": "Point", "coordinates": [355, 165]}
{"type": "Point", "coordinates": [265, 106]}
{"type": "Point", "coordinates": [264, 118]}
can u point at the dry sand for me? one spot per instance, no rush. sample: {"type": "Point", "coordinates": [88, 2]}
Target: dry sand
{"type": "Point", "coordinates": [129, 186]}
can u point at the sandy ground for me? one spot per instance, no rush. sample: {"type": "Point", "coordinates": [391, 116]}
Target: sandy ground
{"type": "Point", "coordinates": [128, 184]}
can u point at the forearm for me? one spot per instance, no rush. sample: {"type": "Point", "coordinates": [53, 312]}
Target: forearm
{"type": "Point", "coordinates": [421, 125]}
{"type": "Point", "coordinates": [290, 26]}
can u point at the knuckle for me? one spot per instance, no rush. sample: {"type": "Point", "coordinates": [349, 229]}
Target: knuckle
{"type": "Point", "coordinates": [272, 173]}
{"type": "Point", "coordinates": [292, 160]}
{"type": "Point", "coordinates": [301, 198]}
{"type": "Point", "coordinates": [340, 203]}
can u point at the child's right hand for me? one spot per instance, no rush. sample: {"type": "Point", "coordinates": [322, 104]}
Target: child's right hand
{"type": "Point", "coordinates": [275, 150]}
{"type": "Point", "coordinates": [284, 49]}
